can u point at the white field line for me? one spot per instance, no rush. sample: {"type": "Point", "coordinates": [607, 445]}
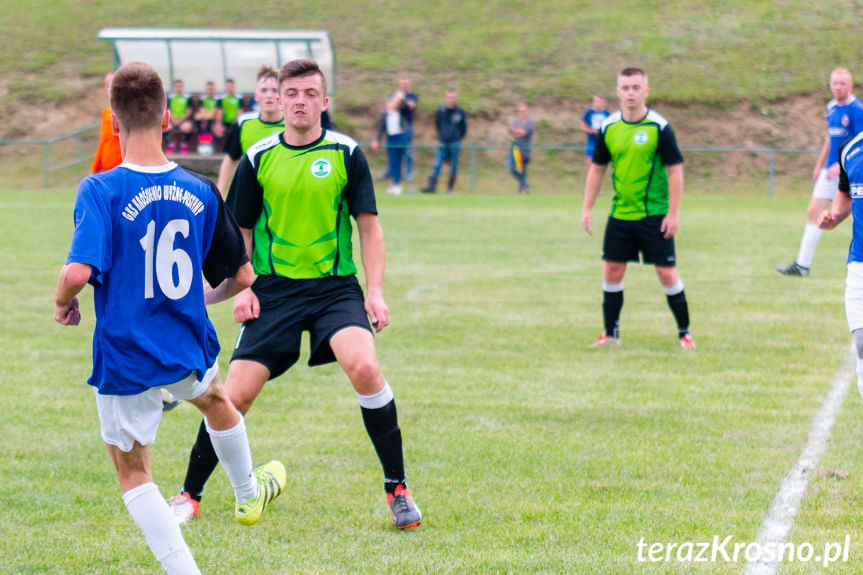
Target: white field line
{"type": "Point", "coordinates": [415, 292]}
{"type": "Point", "coordinates": [785, 505]}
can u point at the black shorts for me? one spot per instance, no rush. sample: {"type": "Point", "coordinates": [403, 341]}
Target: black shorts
{"type": "Point", "coordinates": [288, 308]}
{"type": "Point", "coordinates": [625, 240]}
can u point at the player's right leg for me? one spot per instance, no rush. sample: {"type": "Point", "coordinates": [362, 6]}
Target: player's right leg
{"type": "Point", "coordinates": [265, 348]}
{"type": "Point", "coordinates": [243, 384]}
{"type": "Point", "coordinates": [612, 303]}
{"type": "Point", "coordinates": [618, 248]}
{"type": "Point", "coordinates": [822, 194]}
{"type": "Point", "coordinates": [128, 426]}
{"type": "Point", "coordinates": [227, 432]}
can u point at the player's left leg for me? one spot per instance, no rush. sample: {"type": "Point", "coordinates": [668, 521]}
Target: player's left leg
{"type": "Point", "coordinates": [354, 349]}
{"type": "Point", "coordinates": [128, 426]}
{"type": "Point", "coordinates": [672, 285]}
{"type": "Point", "coordinates": [150, 511]}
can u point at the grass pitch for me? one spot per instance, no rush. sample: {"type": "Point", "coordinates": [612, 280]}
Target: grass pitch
{"type": "Point", "coordinates": [528, 452]}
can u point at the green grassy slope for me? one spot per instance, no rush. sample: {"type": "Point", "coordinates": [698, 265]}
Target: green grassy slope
{"type": "Point", "coordinates": [702, 52]}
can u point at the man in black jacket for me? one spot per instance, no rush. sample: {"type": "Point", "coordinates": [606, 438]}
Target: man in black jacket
{"type": "Point", "coordinates": [451, 123]}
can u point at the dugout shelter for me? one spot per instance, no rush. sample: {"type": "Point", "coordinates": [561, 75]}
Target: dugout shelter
{"type": "Point", "coordinates": [197, 56]}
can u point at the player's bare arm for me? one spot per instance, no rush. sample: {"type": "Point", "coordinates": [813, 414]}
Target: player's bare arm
{"type": "Point", "coordinates": [73, 278]}
{"type": "Point", "coordinates": [226, 173]}
{"type": "Point", "coordinates": [374, 257]}
{"type": "Point", "coordinates": [591, 190]}
{"type": "Point", "coordinates": [231, 286]}
{"type": "Point", "coordinates": [671, 222]}
{"type": "Point", "coordinates": [246, 304]}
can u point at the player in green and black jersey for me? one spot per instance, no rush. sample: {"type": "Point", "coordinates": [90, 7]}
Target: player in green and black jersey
{"type": "Point", "coordinates": [648, 184]}
{"type": "Point", "coordinates": [294, 196]}
{"type": "Point", "coordinates": [252, 126]}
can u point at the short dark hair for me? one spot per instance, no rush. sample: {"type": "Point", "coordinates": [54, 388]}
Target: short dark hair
{"type": "Point", "coordinates": [633, 71]}
{"type": "Point", "coordinates": [138, 97]}
{"type": "Point", "coordinates": [301, 68]}
{"type": "Point", "coordinates": [266, 71]}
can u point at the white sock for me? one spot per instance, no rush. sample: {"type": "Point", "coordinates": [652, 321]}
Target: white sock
{"type": "Point", "coordinates": [162, 532]}
{"type": "Point", "coordinates": [377, 400]}
{"type": "Point", "coordinates": [811, 235]}
{"type": "Point", "coordinates": [232, 448]}
{"type": "Point", "coordinates": [674, 289]}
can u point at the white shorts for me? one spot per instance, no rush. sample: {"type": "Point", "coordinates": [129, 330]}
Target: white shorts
{"type": "Point", "coordinates": [125, 419]}
{"type": "Point", "coordinates": [825, 188]}
{"type": "Point", "coordinates": [854, 296]}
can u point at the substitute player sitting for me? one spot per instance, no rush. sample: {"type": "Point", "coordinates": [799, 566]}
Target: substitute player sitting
{"type": "Point", "coordinates": [146, 234]}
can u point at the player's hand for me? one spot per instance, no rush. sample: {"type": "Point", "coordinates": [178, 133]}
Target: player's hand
{"type": "Point", "coordinates": [378, 312]}
{"type": "Point", "coordinates": [670, 225]}
{"type": "Point", "coordinates": [815, 173]}
{"type": "Point", "coordinates": [376, 145]}
{"type": "Point", "coordinates": [827, 220]}
{"type": "Point", "coordinates": [586, 219]}
{"type": "Point", "coordinates": [68, 314]}
{"type": "Point", "coordinates": [833, 171]}
{"type": "Point", "coordinates": [246, 306]}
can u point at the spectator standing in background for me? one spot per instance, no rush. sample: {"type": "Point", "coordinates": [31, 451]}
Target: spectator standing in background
{"type": "Point", "coordinates": [393, 124]}
{"type": "Point", "coordinates": [408, 108]}
{"type": "Point", "coordinates": [591, 122]}
{"type": "Point", "coordinates": [521, 129]}
{"type": "Point", "coordinates": [451, 124]}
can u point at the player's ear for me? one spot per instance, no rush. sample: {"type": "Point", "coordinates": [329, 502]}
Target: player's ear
{"type": "Point", "coordinates": [115, 125]}
{"type": "Point", "coordinates": [166, 119]}
{"type": "Point", "coordinates": [326, 102]}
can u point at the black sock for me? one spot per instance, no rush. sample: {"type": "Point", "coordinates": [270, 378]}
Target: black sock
{"type": "Point", "coordinates": [680, 309]}
{"type": "Point", "coordinates": [202, 462]}
{"type": "Point", "coordinates": [612, 303]}
{"type": "Point", "coordinates": [383, 428]}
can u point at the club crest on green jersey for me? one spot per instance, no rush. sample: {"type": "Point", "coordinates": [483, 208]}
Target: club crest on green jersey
{"type": "Point", "coordinates": [640, 137]}
{"type": "Point", "coordinates": [321, 168]}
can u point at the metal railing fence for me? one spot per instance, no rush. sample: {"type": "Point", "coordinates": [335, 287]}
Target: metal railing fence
{"type": "Point", "coordinates": [83, 155]}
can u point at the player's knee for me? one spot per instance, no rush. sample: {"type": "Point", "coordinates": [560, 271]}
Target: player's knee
{"type": "Point", "coordinates": [241, 400]}
{"type": "Point", "coordinates": [364, 374]}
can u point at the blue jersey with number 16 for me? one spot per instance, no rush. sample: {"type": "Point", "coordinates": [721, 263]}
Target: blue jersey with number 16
{"type": "Point", "coordinates": [150, 234]}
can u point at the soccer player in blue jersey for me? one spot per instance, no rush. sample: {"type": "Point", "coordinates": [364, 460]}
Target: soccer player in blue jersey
{"type": "Point", "coordinates": [590, 123]}
{"type": "Point", "coordinates": [849, 201]}
{"type": "Point", "coordinates": [146, 235]}
{"type": "Point", "coordinates": [844, 120]}
{"type": "Point", "coordinates": [294, 197]}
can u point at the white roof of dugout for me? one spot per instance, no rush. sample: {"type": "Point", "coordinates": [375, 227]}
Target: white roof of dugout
{"type": "Point", "coordinates": [197, 56]}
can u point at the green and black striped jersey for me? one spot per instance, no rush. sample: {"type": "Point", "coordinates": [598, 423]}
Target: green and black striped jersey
{"type": "Point", "coordinates": [639, 152]}
{"type": "Point", "coordinates": [250, 128]}
{"type": "Point", "coordinates": [299, 201]}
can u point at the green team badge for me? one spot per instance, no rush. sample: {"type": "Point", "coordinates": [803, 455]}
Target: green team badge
{"type": "Point", "coordinates": [321, 168]}
{"type": "Point", "coordinates": [640, 137]}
